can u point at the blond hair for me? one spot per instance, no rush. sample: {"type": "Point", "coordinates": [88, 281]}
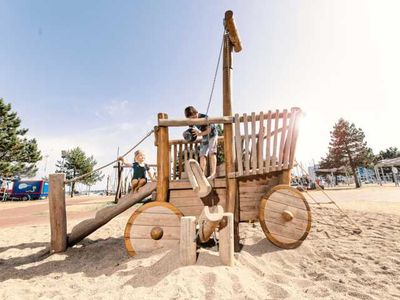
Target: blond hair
{"type": "Point", "coordinates": [137, 152]}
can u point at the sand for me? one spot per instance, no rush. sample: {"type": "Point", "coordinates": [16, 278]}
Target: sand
{"type": "Point", "coordinates": [333, 263]}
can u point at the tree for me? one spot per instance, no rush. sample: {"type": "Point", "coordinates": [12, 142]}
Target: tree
{"type": "Point", "coordinates": [391, 152]}
{"type": "Point", "coordinates": [75, 163]}
{"type": "Point", "coordinates": [347, 148]}
{"type": "Point", "coordinates": [18, 155]}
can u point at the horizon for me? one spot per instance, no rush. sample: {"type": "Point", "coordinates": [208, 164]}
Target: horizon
{"type": "Point", "coordinates": [76, 80]}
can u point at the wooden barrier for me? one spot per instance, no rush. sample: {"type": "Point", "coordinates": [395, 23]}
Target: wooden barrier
{"type": "Point", "coordinates": [187, 244]}
{"type": "Point", "coordinates": [57, 212]}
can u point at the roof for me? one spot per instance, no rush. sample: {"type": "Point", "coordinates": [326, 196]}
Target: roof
{"type": "Point", "coordinates": [393, 162]}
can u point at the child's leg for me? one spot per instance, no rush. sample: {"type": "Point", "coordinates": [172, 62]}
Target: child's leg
{"type": "Point", "coordinates": [134, 184]}
{"type": "Point", "coordinates": [212, 150]}
{"type": "Point", "coordinates": [142, 182]}
{"type": "Point", "coordinates": [213, 165]}
{"type": "Point", "coordinates": [203, 163]}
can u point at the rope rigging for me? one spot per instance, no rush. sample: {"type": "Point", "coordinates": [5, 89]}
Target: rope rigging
{"type": "Point", "coordinates": [114, 161]}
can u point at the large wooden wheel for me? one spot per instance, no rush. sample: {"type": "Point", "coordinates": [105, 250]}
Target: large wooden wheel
{"type": "Point", "coordinates": [285, 216]}
{"type": "Point", "coordinates": [153, 226]}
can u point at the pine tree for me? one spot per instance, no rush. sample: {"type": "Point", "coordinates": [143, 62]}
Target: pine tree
{"type": "Point", "coordinates": [391, 152]}
{"type": "Point", "coordinates": [347, 148]}
{"type": "Point", "coordinates": [18, 155]}
{"type": "Point", "coordinates": [76, 163]}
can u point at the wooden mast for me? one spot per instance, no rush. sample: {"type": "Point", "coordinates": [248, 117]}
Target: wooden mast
{"type": "Point", "coordinates": [231, 40]}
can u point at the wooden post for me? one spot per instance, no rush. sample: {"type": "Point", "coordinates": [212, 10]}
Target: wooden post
{"type": "Point", "coordinates": [57, 211]}
{"type": "Point", "coordinates": [226, 240]}
{"type": "Point", "coordinates": [285, 177]}
{"type": "Point", "coordinates": [232, 204]}
{"type": "Point", "coordinates": [187, 243]}
{"type": "Point", "coordinates": [119, 188]}
{"type": "Point", "coordinates": [162, 161]}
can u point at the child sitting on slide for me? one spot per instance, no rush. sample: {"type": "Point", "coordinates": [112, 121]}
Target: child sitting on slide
{"type": "Point", "coordinates": [208, 145]}
{"type": "Point", "coordinates": [139, 169]}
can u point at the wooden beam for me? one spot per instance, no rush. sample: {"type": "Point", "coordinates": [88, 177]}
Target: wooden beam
{"type": "Point", "coordinates": [226, 240]}
{"type": "Point", "coordinates": [162, 161]}
{"type": "Point", "coordinates": [230, 27]}
{"type": "Point", "coordinates": [232, 203]}
{"type": "Point", "coordinates": [57, 211]}
{"type": "Point", "coordinates": [197, 121]}
{"type": "Point", "coordinates": [187, 243]}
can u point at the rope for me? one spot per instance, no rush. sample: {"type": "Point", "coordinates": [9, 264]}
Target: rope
{"type": "Point", "coordinates": [323, 191]}
{"type": "Point", "coordinates": [109, 164]}
{"type": "Point", "coordinates": [216, 73]}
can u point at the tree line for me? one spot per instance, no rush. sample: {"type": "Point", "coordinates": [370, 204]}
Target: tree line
{"type": "Point", "coordinates": [19, 154]}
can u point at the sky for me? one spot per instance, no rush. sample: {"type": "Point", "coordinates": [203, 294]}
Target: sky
{"type": "Point", "coordinates": [95, 74]}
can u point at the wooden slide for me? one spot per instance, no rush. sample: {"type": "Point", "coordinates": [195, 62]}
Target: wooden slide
{"type": "Point", "coordinates": [103, 216]}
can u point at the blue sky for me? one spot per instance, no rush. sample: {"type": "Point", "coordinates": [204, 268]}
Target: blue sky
{"type": "Point", "coordinates": [96, 73]}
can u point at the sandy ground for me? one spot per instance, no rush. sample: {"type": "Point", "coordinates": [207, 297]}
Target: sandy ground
{"type": "Point", "coordinates": [333, 263]}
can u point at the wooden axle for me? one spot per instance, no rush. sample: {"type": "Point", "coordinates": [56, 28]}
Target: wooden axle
{"type": "Point", "coordinates": [209, 221]}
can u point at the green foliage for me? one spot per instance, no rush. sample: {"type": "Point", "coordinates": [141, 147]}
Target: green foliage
{"type": "Point", "coordinates": [18, 155]}
{"type": "Point", "coordinates": [391, 152]}
{"type": "Point", "coordinates": [76, 163]}
{"type": "Point", "coordinates": [347, 148]}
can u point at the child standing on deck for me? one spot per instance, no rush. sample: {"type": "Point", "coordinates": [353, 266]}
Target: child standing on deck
{"type": "Point", "coordinates": [208, 145]}
{"type": "Point", "coordinates": [139, 169]}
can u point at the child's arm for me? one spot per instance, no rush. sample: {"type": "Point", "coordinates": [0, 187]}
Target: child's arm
{"type": "Point", "coordinates": [202, 133]}
{"type": "Point", "coordinates": [152, 177]}
{"type": "Point", "coordinates": [121, 159]}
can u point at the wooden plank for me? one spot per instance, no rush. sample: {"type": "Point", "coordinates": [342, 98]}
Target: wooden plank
{"type": "Point", "coordinates": [57, 211]}
{"type": "Point", "coordinates": [185, 155]}
{"type": "Point", "coordinates": [249, 215]}
{"type": "Point", "coordinates": [191, 194]}
{"type": "Point", "coordinates": [143, 231]}
{"type": "Point", "coordinates": [191, 210]}
{"type": "Point", "coordinates": [286, 155]}
{"type": "Point", "coordinates": [196, 152]}
{"type": "Point", "coordinates": [253, 143]}
{"type": "Point", "coordinates": [260, 162]}
{"type": "Point", "coordinates": [268, 143]}
{"type": "Point", "coordinates": [175, 161]}
{"type": "Point", "coordinates": [278, 230]}
{"type": "Point", "coordinates": [273, 116]}
{"type": "Point", "coordinates": [275, 145]}
{"type": "Point", "coordinates": [246, 146]}
{"type": "Point", "coordinates": [180, 161]}
{"type": "Point", "coordinates": [226, 241]}
{"type": "Point", "coordinates": [197, 121]}
{"type": "Point", "coordinates": [187, 242]}
{"type": "Point", "coordinates": [239, 150]}
{"type": "Point", "coordinates": [190, 150]}
{"type": "Point", "coordinates": [163, 161]}
{"type": "Point", "coordinates": [294, 140]}
{"type": "Point", "coordinates": [278, 207]}
{"type": "Point", "coordinates": [278, 218]}
{"type": "Point", "coordinates": [185, 184]}
{"type": "Point", "coordinates": [283, 139]}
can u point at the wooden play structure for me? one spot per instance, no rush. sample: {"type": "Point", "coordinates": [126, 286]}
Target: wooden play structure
{"type": "Point", "coordinates": [253, 185]}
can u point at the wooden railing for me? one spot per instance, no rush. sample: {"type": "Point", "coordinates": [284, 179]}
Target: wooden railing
{"type": "Point", "coordinates": [265, 142]}
{"type": "Point", "coordinates": [180, 151]}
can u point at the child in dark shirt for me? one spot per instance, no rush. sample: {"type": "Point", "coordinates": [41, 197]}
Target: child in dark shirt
{"type": "Point", "coordinates": [208, 145]}
{"type": "Point", "coordinates": [139, 169]}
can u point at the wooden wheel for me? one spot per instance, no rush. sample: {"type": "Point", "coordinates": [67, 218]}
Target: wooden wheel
{"type": "Point", "coordinates": [285, 216]}
{"type": "Point", "coordinates": [152, 226]}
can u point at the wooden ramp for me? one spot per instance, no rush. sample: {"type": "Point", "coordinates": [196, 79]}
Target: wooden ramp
{"type": "Point", "coordinates": [103, 216]}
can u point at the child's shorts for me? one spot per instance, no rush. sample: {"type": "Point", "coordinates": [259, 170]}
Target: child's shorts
{"type": "Point", "coordinates": [210, 147]}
